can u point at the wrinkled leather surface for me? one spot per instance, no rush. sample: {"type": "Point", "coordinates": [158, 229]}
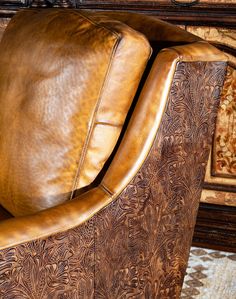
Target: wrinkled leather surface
{"type": "Point", "coordinates": [63, 102]}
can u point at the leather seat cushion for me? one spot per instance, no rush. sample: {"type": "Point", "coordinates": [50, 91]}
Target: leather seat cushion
{"type": "Point", "coordinates": [66, 83]}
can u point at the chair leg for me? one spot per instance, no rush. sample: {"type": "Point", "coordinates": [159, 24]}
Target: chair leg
{"type": "Point", "coordinates": [143, 239]}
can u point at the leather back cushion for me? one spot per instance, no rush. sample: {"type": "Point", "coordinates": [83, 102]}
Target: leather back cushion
{"type": "Point", "coordinates": [66, 83]}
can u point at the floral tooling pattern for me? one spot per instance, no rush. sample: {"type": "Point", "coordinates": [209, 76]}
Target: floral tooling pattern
{"type": "Point", "coordinates": [224, 148]}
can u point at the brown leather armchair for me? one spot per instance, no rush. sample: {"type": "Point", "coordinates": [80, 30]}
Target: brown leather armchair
{"type": "Point", "coordinates": [103, 148]}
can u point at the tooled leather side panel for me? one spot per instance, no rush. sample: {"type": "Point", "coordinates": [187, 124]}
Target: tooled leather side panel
{"type": "Point", "coordinates": [143, 239]}
{"type": "Point", "coordinates": [61, 266]}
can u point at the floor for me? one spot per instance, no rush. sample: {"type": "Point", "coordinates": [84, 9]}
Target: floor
{"type": "Point", "coordinates": [210, 274]}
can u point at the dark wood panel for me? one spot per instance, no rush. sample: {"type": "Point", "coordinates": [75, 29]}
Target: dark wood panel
{"type": "Point", "coordinates": [199, 14]}
{"type": "Point", "coordinates": [12, 2]}
{"type": "Point", "coordinates": [219, 187]}
{"type": "Point", "coordinates": [155, 3]}
{"type": "Point", "coordinates": [9, 7]}
{"type": "Point", "coordinates": [216, 227]}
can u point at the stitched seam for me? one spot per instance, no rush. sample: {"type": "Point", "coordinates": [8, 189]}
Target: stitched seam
{"type": "Point", "coordinates": [118, 36]}
{"type": "Point", "coordinates": [91, 128]}
{"type": "Point", "coordinates": [98, 24]}
{"type": "Point", "coordinates": [106, 190]}
{"type": "Point", "coordinates": [108, 124]}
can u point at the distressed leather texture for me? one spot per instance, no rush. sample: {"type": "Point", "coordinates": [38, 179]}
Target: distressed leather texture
{"type": "Point", "coordinates": [66, 84]}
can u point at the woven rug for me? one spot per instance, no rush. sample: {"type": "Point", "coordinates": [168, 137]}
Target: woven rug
{"type": "Point", "coordinates": [210, 274]}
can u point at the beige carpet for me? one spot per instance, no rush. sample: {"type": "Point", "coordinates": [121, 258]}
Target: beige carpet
{"type": "Point", "coordinates": [210, 274]}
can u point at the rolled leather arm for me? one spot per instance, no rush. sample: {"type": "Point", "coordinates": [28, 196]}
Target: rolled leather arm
{"type": "Point", "coordinates": [131, 154]}
{"type": "Point", "coordinates": [18, 230]}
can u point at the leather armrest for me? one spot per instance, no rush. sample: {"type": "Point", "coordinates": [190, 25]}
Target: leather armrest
{"type": "Point", "coordinates": [19, 230]}
{"type": "Point", "coordinates": [130, 155]}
